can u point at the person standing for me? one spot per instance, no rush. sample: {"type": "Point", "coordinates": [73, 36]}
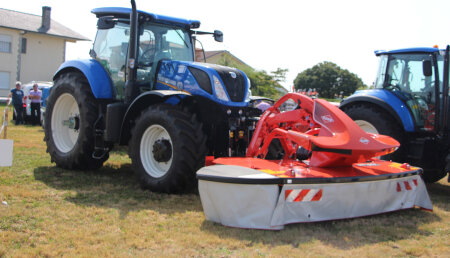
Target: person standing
{"type": "Point", "coordinates": [17, 99]}
{"type": "Point", "coordinates": [35, 97]}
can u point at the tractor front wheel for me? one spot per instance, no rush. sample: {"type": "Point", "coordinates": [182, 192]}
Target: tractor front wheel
{"type": "Point", "coordinates": [167, 147]}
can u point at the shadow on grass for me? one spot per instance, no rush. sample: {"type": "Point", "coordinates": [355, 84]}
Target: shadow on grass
{"type": "Point", "coordinates": [112, 187]}
{"type": "Point", "coordinates": [342, 234]}
{"type": "Point", "coordinates": [439, 194]}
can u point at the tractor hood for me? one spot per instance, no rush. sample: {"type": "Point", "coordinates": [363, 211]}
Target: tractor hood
{"type": "Point", "coordinates": [225, 85]}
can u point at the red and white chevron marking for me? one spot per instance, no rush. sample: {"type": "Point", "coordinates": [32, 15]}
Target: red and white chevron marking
{"type": "Point", "coordinates": [303, 195]}
{"type": "Point", "coordinates": [407, 185]}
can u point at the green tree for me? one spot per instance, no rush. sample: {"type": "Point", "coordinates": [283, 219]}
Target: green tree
{"type": "Point", "coordinates": [329, 80]}
{"type": "Point", "coordinates": [262, 83]}
{"type": "Point", "coordinates": [279, 75]}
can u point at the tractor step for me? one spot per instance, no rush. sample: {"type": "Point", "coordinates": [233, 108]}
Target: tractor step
{"type": "Point", "coordinates": [100, 149]}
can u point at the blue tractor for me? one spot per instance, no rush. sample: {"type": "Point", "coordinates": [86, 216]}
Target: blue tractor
{"type": "Point", "coordinates": [142, 88]}
{"type": "Point", "coordinates": [410, 103]}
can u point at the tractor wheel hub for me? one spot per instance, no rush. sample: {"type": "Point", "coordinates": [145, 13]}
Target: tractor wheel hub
{"type": "Point", "coordinates": [162, 150]}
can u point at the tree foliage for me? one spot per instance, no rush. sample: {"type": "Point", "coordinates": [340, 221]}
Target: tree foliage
{"type": "Point", "coordinates": [329, 80]}
{"type": "Point", "coordinates": [265, 85]}
{"type": "Point", "coordinates": [262, 83]}
{"type": "Point", "coordinates": [279, 75]}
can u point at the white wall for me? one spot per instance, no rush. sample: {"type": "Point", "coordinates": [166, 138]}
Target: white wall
{"type": "Point", "coordinates": [43, 57]}
{"type": "Point", "coordinates": [44, 54]}
{"type": "Point", "coordinates": [8, 61]}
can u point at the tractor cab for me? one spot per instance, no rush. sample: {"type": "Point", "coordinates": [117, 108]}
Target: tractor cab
{"type": "Point", "coordinates": [157, 38]}
{"type": "Point", "coordinates": [415, 76]}
{"type": "Point", "coordinates": [409, 103]}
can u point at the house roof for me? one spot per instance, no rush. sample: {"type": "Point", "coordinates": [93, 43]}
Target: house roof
{"type": "Point", "coordinates": [209, 54]}
{"type": "Point", "coordinates": [31, 23]}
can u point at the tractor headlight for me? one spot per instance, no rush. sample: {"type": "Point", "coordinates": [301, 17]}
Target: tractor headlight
{"type": "Point", "coordinates": [220, 91]}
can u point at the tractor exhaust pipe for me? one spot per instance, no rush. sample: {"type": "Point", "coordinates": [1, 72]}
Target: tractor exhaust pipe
{"type": "Point", "coordinates": [130, 84]}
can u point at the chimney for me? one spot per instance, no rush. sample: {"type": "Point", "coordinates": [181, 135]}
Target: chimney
{"type": "Point", "coordinates": [45, 26]}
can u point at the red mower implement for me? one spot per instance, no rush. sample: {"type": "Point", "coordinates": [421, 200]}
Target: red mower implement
{"type": "Point", "coordinates": [328, 170]}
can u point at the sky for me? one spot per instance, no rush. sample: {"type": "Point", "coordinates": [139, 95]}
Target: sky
{"type": "Point", "coordinates": [288, 34]}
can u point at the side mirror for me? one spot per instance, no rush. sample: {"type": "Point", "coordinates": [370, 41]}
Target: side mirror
{"type": "Point", "coordinates": [218, 36]}
{"type": "Point", "coordinates": [105, 23]}
{"type": "Point", "coordinates": [427, 68]}
{"type": "Point", "coordinates": [92, 53]}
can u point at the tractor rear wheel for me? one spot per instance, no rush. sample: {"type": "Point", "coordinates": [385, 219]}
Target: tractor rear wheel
{"type": "Point", "coordinates": [69, 123]}
{"type": "Point", "coordinates": [167, 147]}
{"type": "Point", "coordinates": [374, 120]}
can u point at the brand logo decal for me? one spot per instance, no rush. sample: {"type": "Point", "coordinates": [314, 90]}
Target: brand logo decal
{"type": "Point", "coordinates": [233, 75]}
{"type": "Point", "coordinates": [367, 164]}
{"type": "Point", "coordinates": [364, 140]}
{"type": "Point", "coordinates": [327, 119]}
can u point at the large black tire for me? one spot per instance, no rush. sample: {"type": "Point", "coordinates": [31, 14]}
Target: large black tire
{"type": "Point", "coordinates": [385, 124]}
{"type": "Point", "coordinates": [167, 147]}
{"type": "Point", "coordinates": [367, 116]}
{"type": "Point", "coordinates": [71, 102]}
{"type": "Point", "coordinates": [433, 175]}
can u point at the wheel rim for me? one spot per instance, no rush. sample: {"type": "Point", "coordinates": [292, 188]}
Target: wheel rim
{"type": "Point", "coordinates": [156, 163]}
{"type": "Point", "coordinates": [366, 126]}
{"type": "Point", "coordinates": [65, 122]}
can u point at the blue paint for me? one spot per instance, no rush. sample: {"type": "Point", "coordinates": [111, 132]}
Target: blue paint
{"type": "Point", "coordinates": [175, 75]}
{"type": "Point", "coordinates": [393, 101]}
{"type": "Point", "coordinates": [96, 75]}
{"type": "Point", "coordinates": [408, 50]}
{"type": "Point", "coordinates": [45, 93]}
{"type": "Point", "coordinates": [117, 11]}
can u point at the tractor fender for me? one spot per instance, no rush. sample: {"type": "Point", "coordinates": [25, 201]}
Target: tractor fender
{"type": "Point", "coordinates": [98, 78]}
{"type": "Point", "coordinates": [386, 101]}
{"type": "Point", "coordinates": [143, 101]}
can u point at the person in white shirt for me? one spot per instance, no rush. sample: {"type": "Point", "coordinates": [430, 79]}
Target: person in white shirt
{"type": "Point", "coordinates": [35, 97]}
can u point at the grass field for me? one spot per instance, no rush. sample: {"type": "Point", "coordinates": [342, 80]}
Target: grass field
{"type": "Point", "coordinates": [56, 212]}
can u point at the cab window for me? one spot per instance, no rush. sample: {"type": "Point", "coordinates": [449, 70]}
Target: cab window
{"type": "Point", "coordinates": [110, 48]}
{"type": "Point", "coordinates": [405, 78]}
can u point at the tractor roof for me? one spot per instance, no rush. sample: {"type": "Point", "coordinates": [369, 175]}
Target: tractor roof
{"type": "Point", "coordinates": [407, 51]}
{"type": "Point", "coordinates": [123, 12]}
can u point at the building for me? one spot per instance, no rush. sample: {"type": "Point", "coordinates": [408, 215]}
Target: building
{"type": "Point", "coordinates": [32, 47]}
{"type": "Point", "coordinates": [217, 57]}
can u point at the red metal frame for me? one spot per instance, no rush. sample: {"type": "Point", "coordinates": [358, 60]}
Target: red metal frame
{"type": "Point", "coordinates": [320, 127]}
{"type": "Point", "coordinates": [299, 120]}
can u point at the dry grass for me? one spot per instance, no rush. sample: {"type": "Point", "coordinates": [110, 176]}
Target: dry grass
{"type": "Point", "coordinates": [57, 212]}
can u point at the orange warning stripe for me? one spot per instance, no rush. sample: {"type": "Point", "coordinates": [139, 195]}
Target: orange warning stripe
{"type": "Point", "coordinates": [303, 195]}
{"type": "Point", "coordinates": [407, 185]}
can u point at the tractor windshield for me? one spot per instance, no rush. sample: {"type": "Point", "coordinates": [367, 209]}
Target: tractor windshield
{"type": "Point", "coordinates": [164, 42]}
{"type": "Point", "coordinates": [404, 75]}
{"type": "Point", "coordinates": [158, 42]}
